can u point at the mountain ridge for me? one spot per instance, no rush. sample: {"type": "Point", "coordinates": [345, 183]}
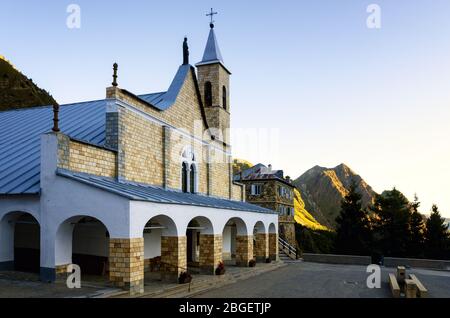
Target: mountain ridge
{"type": "Point", "coordinates": [18, 91]}
{"type": "Point", "coordinates": [324, 188]}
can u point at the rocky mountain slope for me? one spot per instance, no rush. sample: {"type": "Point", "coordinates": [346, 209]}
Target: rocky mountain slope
{"type": "Point", "coordinates": [323, 189]}
{"type": "Point", "coordinates": [18, 91]}
{"type": "Point", "coordinates": [302, 216]}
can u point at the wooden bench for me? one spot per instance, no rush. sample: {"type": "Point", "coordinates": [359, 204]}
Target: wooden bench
{"type": "Point", "coordinates": [422, 291]}
{"type": "Point", "coordinates": [410, 288]}
{"type": "Point", "coordinates": [395, 288]}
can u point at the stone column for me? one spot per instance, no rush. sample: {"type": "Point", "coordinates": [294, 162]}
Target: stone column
{"type": "Point", "coordinates": [126, 264]}
{"type": "Point", "coordinates": [261, 247]}
{"type": "Point", "coordinates": [244, 249]}
{"type": "Point", "coordinates": [210, 252]}
{"type": "Point", "coordinates": [273, 246]}
{"type": "Point", "coordinates": [173, 257]}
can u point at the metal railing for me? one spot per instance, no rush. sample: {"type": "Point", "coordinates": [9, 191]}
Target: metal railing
{"type": "Point", "coordinates": [288, 248]}
{"type": "Point", "coordinates": [164, 268]}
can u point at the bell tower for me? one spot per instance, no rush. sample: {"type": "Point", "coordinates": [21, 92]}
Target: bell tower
{"type": "Point", "coordinates": [214, 83]}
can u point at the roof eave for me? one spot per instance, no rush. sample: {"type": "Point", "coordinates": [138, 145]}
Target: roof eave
{"type": "Point", "coordinates": [213, 62]}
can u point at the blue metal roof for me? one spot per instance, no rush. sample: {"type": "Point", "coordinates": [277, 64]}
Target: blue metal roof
{"type": "Point", "coordinates": [164, 100]}
{"type": "Point", "coordinates": [144, 192]}
{"type": "Point", "coordinates": [20, 132]}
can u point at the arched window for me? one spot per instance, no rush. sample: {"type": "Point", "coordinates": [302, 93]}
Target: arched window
{"type": "Point", "coordinates": [189, 171]}
{"type": "Point", "coordinates": [208, 94]}
{"type": "Point", "coordinates": [192, 179]}
{"type": "Point", "coordinates": [184, 177]}
{"type": "Point", "coordinates": [224, 97]}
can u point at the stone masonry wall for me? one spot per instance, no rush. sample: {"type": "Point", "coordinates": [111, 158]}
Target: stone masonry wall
{"type": "Point", "coordinates": [173, 257]}
{"type": "Point", "coordinates": [273, 246]}
{"type": "Point", "coordinates": [217, 115]}
{"type": "Point", "coordinates": [81, 157]}
{"type": "Point", "coordinates": [237, 192]}
{"type": "Point", "coordinates": [261, 247]}
{"type": "Point", "coordinates": [244, 249]}
{"type": "Point", "coordinates": [126, 264]}
{"type": "Point", "coordinates": [142, 157]}
{"type": "Point", "coordinates": [210, 252]}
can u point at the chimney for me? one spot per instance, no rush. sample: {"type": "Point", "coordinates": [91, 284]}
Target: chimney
{"type": "Point", "coordinates": [270, 168]}
{"type": "Point", "coordinates": [288, 179]}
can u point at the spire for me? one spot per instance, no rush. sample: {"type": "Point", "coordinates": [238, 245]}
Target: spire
{"type": "Point", "coordinates": [212, 50]}
{"type": "Point", "coordinates": [212, 54]}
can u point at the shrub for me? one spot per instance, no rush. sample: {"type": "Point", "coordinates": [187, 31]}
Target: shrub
{"type": "Point", "coordinates": [220, 270]}
{"type": "Point", "coordinates": [184, 278]}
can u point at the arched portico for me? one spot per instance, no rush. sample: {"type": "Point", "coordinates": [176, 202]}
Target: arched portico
{"type": "Point", "coordinates": [163, 248]}
{"type": "Point", "coordinates": [203, 247]}
{"type": "Point", "coordinates": [20, 242]}
{"type": "Point", "coordinates": [82, 240]}
{"type": "Point", "coordinates": [238, 242]}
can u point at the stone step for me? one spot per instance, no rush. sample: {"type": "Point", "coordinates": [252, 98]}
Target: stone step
{"type": "Point", "coordinates": [208, 284]}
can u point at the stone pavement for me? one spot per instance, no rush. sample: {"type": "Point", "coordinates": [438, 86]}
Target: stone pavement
{"type": "Point", "coordinates": [314, 280]}
{"type": "Point", "coordinates": [28, 285]}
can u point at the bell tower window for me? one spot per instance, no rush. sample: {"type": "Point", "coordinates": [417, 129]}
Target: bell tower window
{"type": "Point", "coordinates": [208, 94]}
{"type": "Point", "coordinates": [224, 97]}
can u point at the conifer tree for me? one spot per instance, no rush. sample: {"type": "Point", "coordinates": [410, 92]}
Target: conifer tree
{"type": "Point", "coordinates": [392, 219]}
{"type": "Point", "coordinates": [353, 228]}
{"type": "Point", "coordinates": [437, 236]}
{"type": "Point", "coordinates": [417, 229]}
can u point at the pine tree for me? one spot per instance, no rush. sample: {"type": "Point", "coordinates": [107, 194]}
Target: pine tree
{"type": "Point", "coordinates": [353, 228]}
{"type": "Point", "coordinates": [417, 228]}
{"type": "Point", "coordinates": [437, 236]}
{"type": "Point", "coordinates": [392, 218]}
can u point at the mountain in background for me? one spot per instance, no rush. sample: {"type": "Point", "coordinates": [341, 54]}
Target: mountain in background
{"type": "Point", "coordinates": [323, 189]}
{"type": "Point", "coordinates": [18, 91]}
{"type": "Point", "coordinates": [303, 217]}
{"type": "Point", "coordinates": [241, 165]}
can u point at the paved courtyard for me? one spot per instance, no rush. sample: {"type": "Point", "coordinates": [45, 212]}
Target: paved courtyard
{"type": "Point", "coordinates": [297, 280]}
{"type": "Point", "coordinates": [313, 280]}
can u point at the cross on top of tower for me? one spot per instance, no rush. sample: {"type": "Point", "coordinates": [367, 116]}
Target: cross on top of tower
{"type": "Point", "coordinates": [211, 15]}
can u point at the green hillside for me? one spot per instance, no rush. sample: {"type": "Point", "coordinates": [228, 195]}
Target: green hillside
{"type": "Point", "coordinates": [18, 91]}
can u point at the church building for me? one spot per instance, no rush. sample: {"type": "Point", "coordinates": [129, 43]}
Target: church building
{"type": "Point", "coordinates": [130, 183]}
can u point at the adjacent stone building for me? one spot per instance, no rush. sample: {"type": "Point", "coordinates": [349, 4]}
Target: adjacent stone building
{"type": "Point", "coordinates": [270, 189]}
{"type": "Point", "coordinates": [130, 183]}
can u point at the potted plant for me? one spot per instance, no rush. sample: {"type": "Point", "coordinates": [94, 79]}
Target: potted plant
{"type": "Point", "coordinates": [184, 278]}
{"type": "Point", "coordinates": [252, 263]}
{"type": "Point", "coordinates": [220, 270]}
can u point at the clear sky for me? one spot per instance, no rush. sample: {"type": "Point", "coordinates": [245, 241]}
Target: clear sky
{"type": "Point", "coordinates": [334, 90]}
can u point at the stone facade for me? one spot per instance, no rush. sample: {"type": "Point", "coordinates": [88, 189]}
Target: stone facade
{"type": "Point", "coordinates": [271, 198]}
{"type": "Point", "coordinates": [210, 252]}
{"type": "Point", "coordinates": [82, 157]}
{"type": "Point", "coordinates": [173, 257]}
{"type": "Point", "coordinates": [261, 247]}
{"type": "Point", "coordinates": [244, 249]}
{"type": "Point", "coordinates": [126, 264]}
{"type": "Point", "coordinates": [218, 115]}
{"type": "Point", "coordinates": [273, 246]}
{"type": "Point", "coordinates": [150, 151]}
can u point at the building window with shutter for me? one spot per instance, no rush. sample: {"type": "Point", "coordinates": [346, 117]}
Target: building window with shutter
{"type": "Point", "coordinates": [256, 189]}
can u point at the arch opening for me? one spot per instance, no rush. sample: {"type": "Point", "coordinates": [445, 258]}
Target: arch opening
{"type": "Point", "coordinates": [20, 238]}
{"type": "Point", "coordinates": [159, 232]}
{"type": "Point", "coordinates": [196, 243]}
